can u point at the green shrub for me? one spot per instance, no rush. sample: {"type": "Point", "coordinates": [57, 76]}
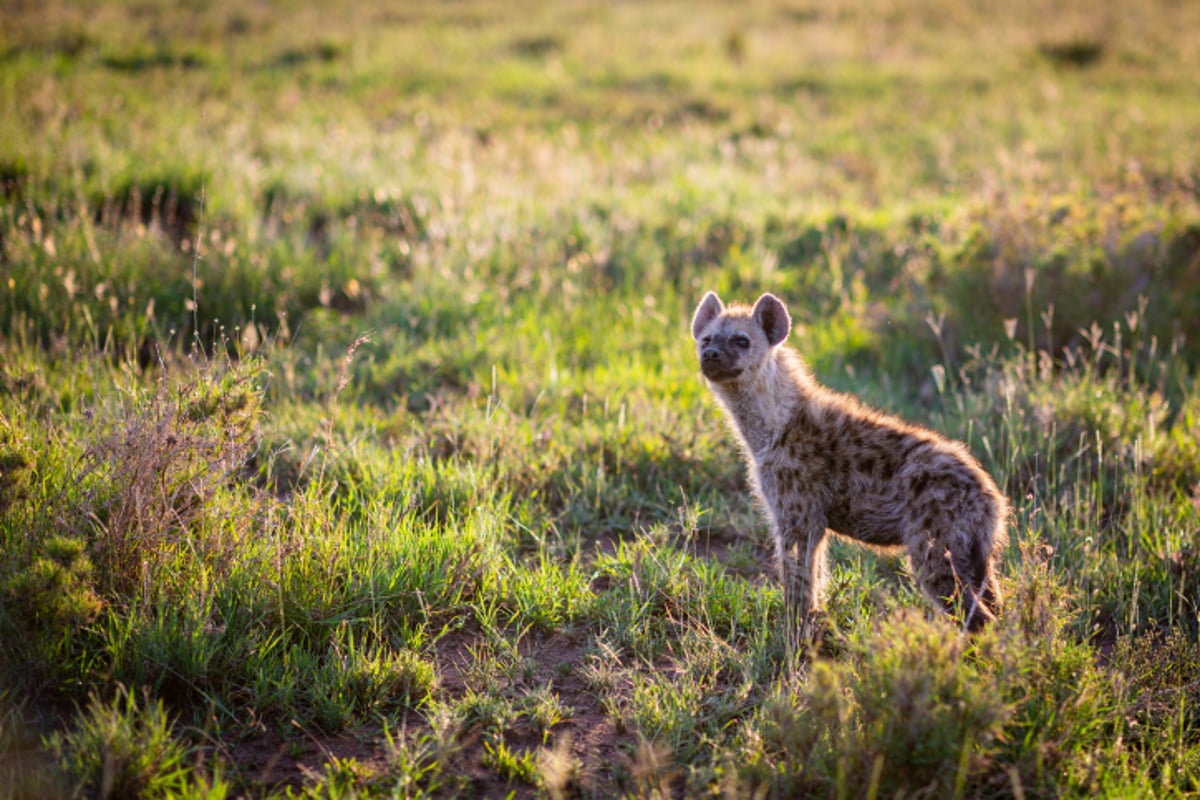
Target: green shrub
{"type": "Point", "coordinates": [123, 748]}
{"type": "Point", "coordinates": [47, 600]}
{"type": "Point", "coordinates": [909, 712]}
{"type": "Point", "coordinates": [167, 478]}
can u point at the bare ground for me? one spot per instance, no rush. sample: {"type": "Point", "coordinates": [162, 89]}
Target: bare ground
{"type": "Point", "coordinates": [593, 753]}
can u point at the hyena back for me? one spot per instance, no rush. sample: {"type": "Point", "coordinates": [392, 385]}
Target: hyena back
{"type": "Point", "coordinates": [820, 461]}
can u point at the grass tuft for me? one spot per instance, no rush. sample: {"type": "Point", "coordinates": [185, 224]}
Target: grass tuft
{"type": "Point", "coordinates": [156, 478]}
{"type": "Point", "coordinates": [124, 748]}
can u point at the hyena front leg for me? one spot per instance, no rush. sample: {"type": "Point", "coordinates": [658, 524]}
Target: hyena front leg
{"type": "Point", "coordinates": [804, 572]}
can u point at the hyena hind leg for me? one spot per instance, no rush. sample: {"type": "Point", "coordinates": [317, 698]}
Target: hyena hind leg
{"type": "Point", "coordinates": [975, 570]}
{"type": "Point", "coordinates": [958, 587]}
{"type": "Point", "coordinates": [988, 597]}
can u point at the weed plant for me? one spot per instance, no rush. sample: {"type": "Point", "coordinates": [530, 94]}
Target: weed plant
{"type": "Point", "coordinates": [351, 441]}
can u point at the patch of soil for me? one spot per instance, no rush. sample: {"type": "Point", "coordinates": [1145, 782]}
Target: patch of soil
{"type": "Point", "coordinates": [589, 737]}
{"type": "Point", "coordinates": [595, 751]}
{"type": "Point", "coordinates": [592, 735]}
{"type": "Point", "coordinates": [24, 774]}
{"type": "Point", "coordinates": [738, 553]}
{"type": "Point", "coordinates": [274, 763]}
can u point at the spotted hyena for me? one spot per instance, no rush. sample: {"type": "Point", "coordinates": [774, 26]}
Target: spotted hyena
{"type": "Point", "coordinates": [821, 461]}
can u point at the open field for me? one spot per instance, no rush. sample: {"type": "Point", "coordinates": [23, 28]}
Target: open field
{"type": "Point", "coordinates": [352, 442]}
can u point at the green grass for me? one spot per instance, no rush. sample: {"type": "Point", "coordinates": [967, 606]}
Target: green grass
{"type": "Point", "coordinates": [352, 445]}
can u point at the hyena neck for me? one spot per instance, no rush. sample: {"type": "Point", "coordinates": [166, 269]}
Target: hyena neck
{"type": "Point", "coordinates": [761, 405]}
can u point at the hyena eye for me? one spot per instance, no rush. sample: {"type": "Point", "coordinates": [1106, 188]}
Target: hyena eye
{"type": "Point", "coordinates": [704, 341]}
{"type": "Point", "coordinates": [742, 341]}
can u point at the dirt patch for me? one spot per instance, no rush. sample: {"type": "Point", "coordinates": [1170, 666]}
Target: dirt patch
{"type": "Point", "coordinates": [579, 752]}
{"type": "Point", "coordinates": [587, 752]}
{"type": "Point", "coordinates": [738, 553]}
{"type": "Point", "coordinates": [24, 773]}
{"type": "Point", "coordinates": [584, 753]}
{"type": "Point", "coordinates": [274, 763]}
{"type": "Point", "coordinates": [589, 736]}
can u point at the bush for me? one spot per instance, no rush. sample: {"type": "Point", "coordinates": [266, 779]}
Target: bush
{"type": "Point", "coordinates": [160, 481]}
{"type": "Point", "coordinates": [126, 749]}
{"type": "Point", "coordinates": [908, 713]}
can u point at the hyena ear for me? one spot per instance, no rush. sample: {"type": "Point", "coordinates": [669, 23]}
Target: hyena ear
{"type": "Point", "coordinates": [772, 316]}
{"type": "Point", "coordinates": [709, 309]}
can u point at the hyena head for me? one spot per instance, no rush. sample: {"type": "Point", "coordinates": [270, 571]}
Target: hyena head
{"type": "Point", "coordinates": [735, 342]}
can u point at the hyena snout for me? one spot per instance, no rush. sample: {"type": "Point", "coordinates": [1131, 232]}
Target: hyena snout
{"type": "Point", "coordinates": [718, 365]}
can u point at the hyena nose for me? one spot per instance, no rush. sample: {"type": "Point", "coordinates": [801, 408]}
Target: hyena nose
{"type": "Point", "coordinates": [711, 354]}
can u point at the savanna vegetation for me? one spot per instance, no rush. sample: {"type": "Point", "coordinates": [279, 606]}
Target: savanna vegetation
{"type": "Point", "coordinates": [351, 438]}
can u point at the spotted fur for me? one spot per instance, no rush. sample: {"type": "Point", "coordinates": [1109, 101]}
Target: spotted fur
{"type": "Point", "coordinates": [821, 461]}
